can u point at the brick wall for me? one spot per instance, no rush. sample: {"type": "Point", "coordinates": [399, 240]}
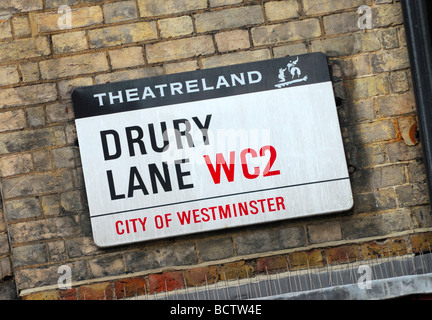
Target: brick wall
{"type": "Point", "coordinates": [44, 221]}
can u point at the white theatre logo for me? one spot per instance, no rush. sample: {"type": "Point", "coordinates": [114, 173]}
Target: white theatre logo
{"type": "Point", "coordinates": [294, 72]}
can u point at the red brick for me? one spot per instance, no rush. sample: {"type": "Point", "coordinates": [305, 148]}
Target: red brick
{"type": "Point", "coordinates": [130, 287]}
{"type": "Point", "coordinates": [70, 294]}
{"type": "Point", "coordinates": [269, 264]}
{"type": "Point", "coordinates": [387, 248]}
{"type": "Point", "coordinates": [167, 281]}
{"type": "Point", "coordinates": [98, 291]}
{"type": "Point", "coordinates": [421, 242]}
{"type": "Point", "coordinates": [342, 254]}
{"type": "Point", "coordinates": [306, 259]}
{"type": "Point", "coordinates": [201, 276]}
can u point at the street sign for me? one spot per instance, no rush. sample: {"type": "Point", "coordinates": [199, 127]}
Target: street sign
{"type": "Point", "coordinates": [211, 149]}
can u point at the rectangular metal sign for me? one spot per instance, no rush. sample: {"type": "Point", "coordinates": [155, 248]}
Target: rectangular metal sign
{"type": "Point", "coordinates": [211, 149]}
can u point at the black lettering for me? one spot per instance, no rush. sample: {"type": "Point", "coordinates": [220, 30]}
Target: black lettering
{"type": "Point", "coordinates": [165, 181]}
{"type": "Point", "coordinates": [181, 174]}
{"type": "Point", "coordinates": [154, 145]}
{"type": "Point", "coordinates": [113, 194]}
{"type": "Point", "coordinates": [204, 128]}
{"type": "Point", "coordinates": [132, 187]}
{"type": "Point", "coordinates": [116, 137]}
{"type": "Point", "coordinates": [136, 140]}
{"type": "Point", "coordinates": [184, 133]}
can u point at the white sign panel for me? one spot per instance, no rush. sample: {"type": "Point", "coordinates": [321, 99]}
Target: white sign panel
{"type": "Point", "coordinates": [211, 149]}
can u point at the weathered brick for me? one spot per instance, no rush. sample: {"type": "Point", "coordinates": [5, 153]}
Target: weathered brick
{"type": "Point", "coordinates": [21, 5]}
{"type": "Point", "coordinates": [29, 71]}
{"type": "Point", "coordinates": [174, 27]}
{"type": "Point", "coordinates": [361, 88]}
{"type": "Point", "coordinates": [36, 116]}
{"type": "Point", "coordinates": [323, 6]}
{"type": "Point", "coordinates": [289, 50]}
{"type": "Point", "coordinates": [29, 254]}
{"type": "Point", "coordinates": [373, 132]}
{"type": "Point", "coordinates": [236, 57]}
{"type": "Point", "coordinates": [21, 26]}
{"type": "Point", "coordinates": [50, 205]}
{"type": "Point", "coordinates": [215, 249]}
{"type": "Point", "coordinates": [365, 180]}
{"type": "Point", "coordinates": [81, 17]}
{"type": "Point", "coordinates": [281, 10]}
{"type": "Point", "coordinates": [376, 225]}
{"type": "Point", "coordinates": [149, 8]}
{"type": "Point", "coordinates": [219, 3]}
{"type": "Point", "coordinates": [59, 112]}
{"type": "Point", "coordinates": [399, 81]}
{"type": "Point", "coordinates": [368, 155]}
{"type": "Point", "coordinates": [44, 229]}
{"type": "Point", "coordinates": [54, 4]}
{"type": "Point", "coordinates": [82, 246]}
{"type": "Point", "coordinates": [134, 73]}
{"type": "Point", "coordinates": [22, 208]}
{"type": "Point", "coordinates": [12, 120]}
{"type": "Point", "coordinates": [412, 195]}
{"type": "Point", "coordinates": [57, 250]}
{"type": "Point", "coordinates": [126, 57]}
{"type": "Point", "coordinates": [4, 247]}
{"type": "Point", "coordinates": [386, 15]}
{"type": "Point", "coordinates": [167, 281]}
{"type": "Point", "coordinates": [389, 39]}
{"type": "Point", "coordinates": [20, 49]}
{"type": "Point", "coordinates": [183, 66]}
{"type": "Point", "coordinates": [106, 266]}
{"type": "Point", "coordinates": [232, 40]}
{"type": "Point", "coordinates": [41, 160]}
{"type": "Point", "coordinates": [341, 23]}
{"type": "Point", "coordinates": [5, 29]}
{"type": "Point", "coordinates": [180, 49]}
{"type": "Point", "coordinates": [97, 291]}
{"type": "Point", "coordinates": [399, 151]}
{"type": "Point", "coordinates": [31, 139]}
{"type": "Point", "coordinates": [389, 60]}
{"type": "Point", "coordinates": [122, 34]}
{"type": "Point", "coordinates": [396, 104]}
{"type": "Point", "coordinates": [290, 31]}
{"type": "Point", "coordinates": [69, 42]}
{"type": "Point", "coordinates": [24, 96]}
{"type": "Point", "coordinates": [47, 275]}
{"type": "Point", "coordinates": [228, 18]}
{"type": "Point", "coordinates": [8, 75]}
{"type": "Point", "coordinates": [324, 232]}
{"type": "Point", "coordinates": [74, 65]}
{"type": "Point", "coordinates": [35, 184]}
{"type": "Point", "coordinates": [5, 268]}
{"type": "Point", "coordinates": [63, 157]}
{"type": "Point", "coordinates": [120, 11]}
{"type": "Point", "coordinates": [66, 86]}
{"type": "Point", "coordinates": [261, 241]}
{"type": "Point", "coordinates": [71, 202]}
{"type": "Point", "coordinates": [347, 44]}
{"type": "Point", "coordinates": [379, 199]}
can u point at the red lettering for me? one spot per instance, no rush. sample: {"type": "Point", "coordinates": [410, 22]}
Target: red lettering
{"type": "Point", "coordinates": [117, 227]}
{"type": "Point", "coordinates": [273, 155]}
{"type": "Point", "coordinates": [220, 162]}
{"type": "Point", "coordinates": [244, 165]}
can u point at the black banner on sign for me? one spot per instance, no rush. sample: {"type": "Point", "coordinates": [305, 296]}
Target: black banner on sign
{"type": "Point", "coordinates": [200, 85]}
